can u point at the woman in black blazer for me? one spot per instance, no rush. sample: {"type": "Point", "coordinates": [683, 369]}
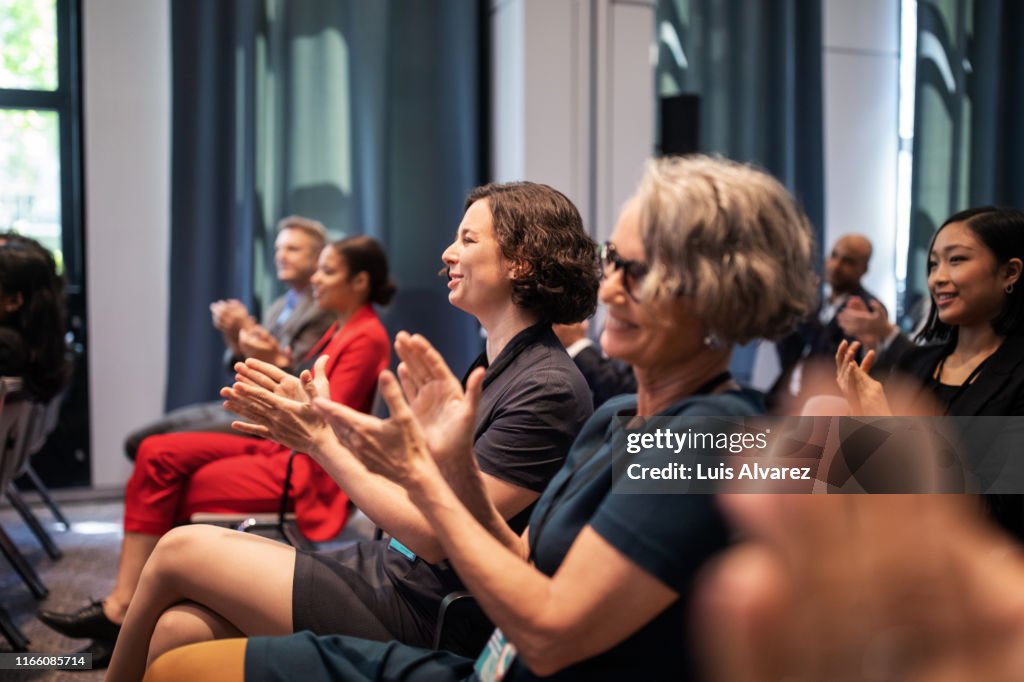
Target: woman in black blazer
{"type": "Point", "coordinates": [972, 365]}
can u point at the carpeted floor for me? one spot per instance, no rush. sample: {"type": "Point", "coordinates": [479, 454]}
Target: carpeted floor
{"type": "Point", "coordinates": [85, 572]}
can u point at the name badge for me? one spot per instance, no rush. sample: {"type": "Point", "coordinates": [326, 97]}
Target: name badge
{"type": "Point", "coordinates": [495, 659]}
{"type": "Point", "coordinates": [401, 549]}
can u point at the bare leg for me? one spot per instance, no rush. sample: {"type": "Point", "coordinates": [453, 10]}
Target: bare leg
{"type": "Point", "coordinates": [244, 579]}
{"type": "Point", "coordinates": [222, 661]}
{"type": "Point", "coordinates": [135, 550]}
{"type": "Point", "coordinates": [188, 623]}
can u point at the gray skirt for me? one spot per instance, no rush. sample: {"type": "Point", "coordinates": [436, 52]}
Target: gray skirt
{"type": "Point", "coordinates": [371, 590]}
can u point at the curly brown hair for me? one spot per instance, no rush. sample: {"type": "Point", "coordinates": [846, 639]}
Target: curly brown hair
{"type": "Point", "coordinates": [541, 233]}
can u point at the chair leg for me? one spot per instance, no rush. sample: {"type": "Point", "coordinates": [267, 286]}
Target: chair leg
{"type": "Point", "coordinates": [44, 492]}
{"type": "Point", "coordinates": [18, 502]}
{"type": "Point", "coordinates": [24, 569]}
{"type": "Point", "coordinates": [11, 632]}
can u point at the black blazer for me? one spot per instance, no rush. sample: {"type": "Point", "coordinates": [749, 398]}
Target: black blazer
{"type": "Point", "coordinates": [607, 378]}
{"type": "Point", "coordinates": [998, 390]}
{"type": "Point", "coordinates": [811, 340]}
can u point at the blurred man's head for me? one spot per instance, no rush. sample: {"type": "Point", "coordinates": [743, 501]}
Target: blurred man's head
{"type": "Point", "coordinates": [847, 263]}
{"type": "Point", "coordinates": [297, 248]}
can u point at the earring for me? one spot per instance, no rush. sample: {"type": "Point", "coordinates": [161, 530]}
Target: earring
{"type": "Point", "coordinates": [1009, 288]}
{"type": "Point", "coordinates": [712, 341]}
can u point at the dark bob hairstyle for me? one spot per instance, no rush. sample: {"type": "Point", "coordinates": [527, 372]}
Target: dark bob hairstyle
{"type": "Point", "coordinates": [541, 233]}
{"type": "Point", "coordinates": [1001, 230]}
{"type": "Point", "coordinates": [27, 270]}
{"type": "Point", "coordinates": [365, 254]}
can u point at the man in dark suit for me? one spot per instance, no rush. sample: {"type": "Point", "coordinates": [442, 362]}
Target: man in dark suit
{"type": "Point", "coordinates": [291, 326]}
{"type": "Point", "coordinates": [606, 378]}
{"type": "Point", "coordinates": [818, 336]}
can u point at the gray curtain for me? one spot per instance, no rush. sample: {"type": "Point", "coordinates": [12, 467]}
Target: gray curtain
{"type": "Point", "coordinates": [364, 115]}
{"type": "Point", "coordinates": [968, 140]}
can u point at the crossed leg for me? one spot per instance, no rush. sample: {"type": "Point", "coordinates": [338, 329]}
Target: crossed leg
{"type": "Point", "coordinates": [203, 583]}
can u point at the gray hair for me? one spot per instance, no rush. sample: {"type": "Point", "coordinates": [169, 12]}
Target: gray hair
{"type": "Point", "coordinates": [732, 239]}
{"type": "Point", "coordinates": [314, 228]}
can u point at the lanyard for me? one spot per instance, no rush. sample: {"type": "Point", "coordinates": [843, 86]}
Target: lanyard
{"type": "Point", "coordinates": [937, 377]}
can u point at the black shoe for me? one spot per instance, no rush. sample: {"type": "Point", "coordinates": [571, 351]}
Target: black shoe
{"type": "Point", "coordinates": [87, 623]}
{"type": "Point", "coordinates": [101, 651]}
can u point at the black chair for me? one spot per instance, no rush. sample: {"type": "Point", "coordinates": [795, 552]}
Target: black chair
{"type": "Point", "coordinates": [459, 600]}
{"type": "Point", "coordinates": [45, 423]}
{"type": "Point", "coordinates": [14, 413]}
{"type": "Point", "coordinates": [41, 422]}
{"type": "Point", "coordinates": [14, 422]}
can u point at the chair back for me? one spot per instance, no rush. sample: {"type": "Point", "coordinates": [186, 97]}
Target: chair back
{"type": "Point", "coordinates": [9, 385]}
{"type": "Point", "coordinates": [44, 422]}
{"type": "Point", "coordinates": [14, 422]}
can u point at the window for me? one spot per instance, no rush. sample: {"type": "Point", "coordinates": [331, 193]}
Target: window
{"type": "Point", "coordinates": [40, 186]}
{"type": "Point", "coordinates": [39, 158]}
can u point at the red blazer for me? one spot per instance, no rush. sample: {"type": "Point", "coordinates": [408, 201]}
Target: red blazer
{"type": "Point", "coordinates": [359, 351]}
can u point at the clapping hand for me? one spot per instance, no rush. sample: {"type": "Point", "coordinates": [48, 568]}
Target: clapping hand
{"type": "Point", "coordinates": [446, 413]}
{"type": "Point", "coordinates": [230, 316]}
{"type": "Point", "coordinates": [870, 325]}
{"type": "Point", "coordinates": [257, 342]}
{"type": "Point", "coordinates": [278, 405]}
{"type": "Point", "coordinates": [865, 395]}
{"type": "Point", "coordinates": [434, 419]}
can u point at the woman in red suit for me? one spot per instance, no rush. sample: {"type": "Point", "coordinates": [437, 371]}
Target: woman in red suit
{"type": "Point", "coordinates": [179, 474]}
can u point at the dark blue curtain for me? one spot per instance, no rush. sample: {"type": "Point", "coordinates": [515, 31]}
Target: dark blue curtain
{"type": "Point", "coordinates": [757, 67]}
{"type": "Point", "coordinates": [417, 111]}
{"type": "Point", "coordinates": [365, 115]}
{"type": "Point", "coordinates": [212, 203]}
{"type": "Point", "coordinates": [968, 138]}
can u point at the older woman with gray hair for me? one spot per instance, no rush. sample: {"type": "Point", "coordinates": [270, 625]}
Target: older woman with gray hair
{"type": "Point", "coordinates": [706, 254]}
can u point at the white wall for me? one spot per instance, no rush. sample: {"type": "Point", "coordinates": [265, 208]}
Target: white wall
{"type": "Point", "coordinates": [573, 98]}
{"type": "Point", "coordinates": [861, 71]}
{"type": "Point", "coordinates": [573, 106]}
{"type": "Point", "coordinates": [126, 79]}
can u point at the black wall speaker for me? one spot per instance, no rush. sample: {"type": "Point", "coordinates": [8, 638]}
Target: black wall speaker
{"type": "Point", "coordinates": [680, 124]}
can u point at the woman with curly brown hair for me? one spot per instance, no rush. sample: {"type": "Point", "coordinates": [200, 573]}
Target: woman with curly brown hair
{"type": "Point", "coordinates": [597, 589]}
{"type": "Point", "coordinates": [521, 261]}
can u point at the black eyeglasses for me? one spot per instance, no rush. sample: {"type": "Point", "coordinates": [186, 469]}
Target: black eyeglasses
{"type": "Point", "coordinates": [633, 271]}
